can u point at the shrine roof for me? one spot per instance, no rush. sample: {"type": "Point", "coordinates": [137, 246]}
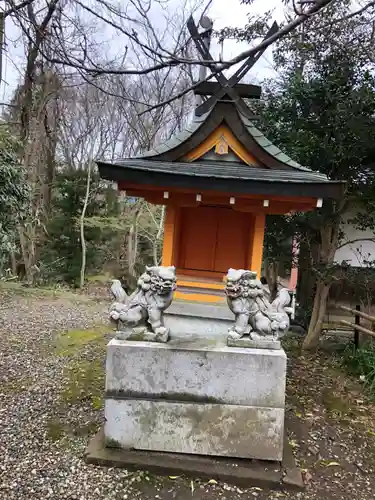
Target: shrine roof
{"type": "Point", "coordinates": [223, 125]}
{"type": "Point", "coordinates": [273, 171]}
{"type": "Point", "coordinates": [229, 114]}
{"type": "Point", "coordinates": [221, 176]}
{"type": "Point", "coordinates": [177, 139]}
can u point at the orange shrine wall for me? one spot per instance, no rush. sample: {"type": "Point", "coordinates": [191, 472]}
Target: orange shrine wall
{"type": "Point", "coordinates": [213, 238]}
{"type": "Point", "coordinates": [204, 242]}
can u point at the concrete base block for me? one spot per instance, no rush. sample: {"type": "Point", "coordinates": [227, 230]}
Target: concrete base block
{"type": "Point", "coordinates": [196, 396]}
{"type": "Point", "coordinates": [203, 429]}
{"type": "Point", "coordinates": [241, 472]}
{"type": "Point", "coordinates": [254, 344]}
{"type": "Point", "coordinates": [204, 371]}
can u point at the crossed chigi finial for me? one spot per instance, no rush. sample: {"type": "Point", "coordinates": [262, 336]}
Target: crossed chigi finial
{"type": "Point", "coordinates": [226, 86]}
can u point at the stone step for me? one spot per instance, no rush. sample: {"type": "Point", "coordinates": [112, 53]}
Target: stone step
{"type": "Point", "coordinates": [200, 310]}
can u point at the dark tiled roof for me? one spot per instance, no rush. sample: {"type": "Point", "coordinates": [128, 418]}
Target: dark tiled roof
{"type": "Point", "coordinates": [196, 123]}
{"type": "Point", "coordinates": [177, 139]}
{"type": "Point", "coordinates": [267, 145]}
{"type": "Point", "coordinates": [221, 170]}
{"type": "Point", "coordinates": [226, 177]}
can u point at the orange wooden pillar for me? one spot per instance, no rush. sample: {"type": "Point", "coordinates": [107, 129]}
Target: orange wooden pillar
{"type": "Point", "coordinates": [169, 255]}
{"type": "Point", "coordinates": [256, 249]}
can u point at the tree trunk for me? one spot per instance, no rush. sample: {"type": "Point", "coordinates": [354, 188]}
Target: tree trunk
{"type": "Point", "coordinates": [319, 309]}
{"type": "Point", "coordinates": [329, 235]}
{"type": "Point", "coordinates": [272, 274]}
{"type": "Point", "coordinates": [13, 262]}
{"type": "Point", "coordinates": [306, 278]}
{"type": "Point", "coordinates": [27, 242]}
{"type": "Point", "coordinates": [133, 243]}
{"type": "Point", "coordinates": [158, 237]}
{"type": "Point", "coordinates": [82, 228]}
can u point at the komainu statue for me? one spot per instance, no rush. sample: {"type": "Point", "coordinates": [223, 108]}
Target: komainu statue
{"type": "Point", "coordinates": [254, 313]}
{"type": "Point", "coordinates": [140, 315]}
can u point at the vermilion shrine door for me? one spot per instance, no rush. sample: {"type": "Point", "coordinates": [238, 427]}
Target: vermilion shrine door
{"type": "Point", "coordinates": [214, 239]}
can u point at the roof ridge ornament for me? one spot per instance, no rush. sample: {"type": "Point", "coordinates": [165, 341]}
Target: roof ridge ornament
{"type": "Point", "coordinates": [226, 86]}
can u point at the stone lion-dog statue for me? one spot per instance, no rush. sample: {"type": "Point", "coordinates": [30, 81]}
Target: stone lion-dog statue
{"type": "Point", "coordinates": [140, 315]}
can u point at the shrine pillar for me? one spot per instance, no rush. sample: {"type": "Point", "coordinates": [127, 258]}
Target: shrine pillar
{"type": "Point", "coordinates": [170, 241]}
{"type": "Point", "coordinates": [256, 244]}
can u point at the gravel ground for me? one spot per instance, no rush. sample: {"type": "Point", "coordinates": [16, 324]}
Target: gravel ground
{"type": "Point", "coordinates": [52, 351]}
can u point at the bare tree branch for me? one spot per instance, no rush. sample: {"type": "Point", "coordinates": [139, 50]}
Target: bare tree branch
{"type": "Point", "coordinates": [357, 240]}
{"type": "Point", "coordinates": [79, 53]}
{"type": "Point", "coordinates": [16, 8]}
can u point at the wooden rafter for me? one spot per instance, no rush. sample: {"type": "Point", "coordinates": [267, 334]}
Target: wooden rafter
{"type": "Point", "coordinates": [227, 86]}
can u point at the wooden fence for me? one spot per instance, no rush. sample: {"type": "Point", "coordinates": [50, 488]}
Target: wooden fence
{"type": "Point", "coordinates": [357, 314]}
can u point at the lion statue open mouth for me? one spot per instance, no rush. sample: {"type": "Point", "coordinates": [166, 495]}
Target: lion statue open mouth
{"type": "Point", "coordinates": [142, 312]}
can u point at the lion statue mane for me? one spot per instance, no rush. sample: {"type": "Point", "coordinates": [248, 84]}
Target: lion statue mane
{"type": "Point", "coordinates": [143, 310]}
{"type": "Point", "coordinates": [254, 314]}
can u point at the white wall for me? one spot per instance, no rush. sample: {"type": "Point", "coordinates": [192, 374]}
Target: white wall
{"type": "Point", "coordinates": [355, 252]}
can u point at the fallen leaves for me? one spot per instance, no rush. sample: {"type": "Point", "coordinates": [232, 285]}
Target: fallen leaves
{"type": "Point", "coordinates": [293, 443]}
{"type": "Point", "coordinates": [329, 463]}
{"type": "Point", "coordinates": [192, 487]}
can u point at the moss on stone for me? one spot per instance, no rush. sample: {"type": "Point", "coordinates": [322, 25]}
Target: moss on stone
{"type": "Point", "coordinates": [111, 443]}
{"type": "Point", "coordinates": [86, 429]}
{"type": "Point", "coordinates": [291, 345]}
{"type": "Point", "coordinates": [140, 336]}
{"type": "Point", "coordinates": [85, 381]}
{"type": "Point", "coordinates": [69, 343]}
{"type": "Point", "coordinates": [55, 429]}
{"type": "Point", "coordinates": [97, 402]}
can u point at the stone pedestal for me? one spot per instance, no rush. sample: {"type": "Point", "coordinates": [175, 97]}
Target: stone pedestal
{"type": "Point", "coordinates": [195, 396]}
{"type": "Point", "coordinates": [189, 319]}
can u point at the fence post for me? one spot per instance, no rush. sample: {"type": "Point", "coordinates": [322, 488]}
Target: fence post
{"type": "Point", "coordinates": [356, 332]}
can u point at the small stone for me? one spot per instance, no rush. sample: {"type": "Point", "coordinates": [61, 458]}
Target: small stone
{"type": "Point", "coordinates": [293, 477]}
{"type": "Point", "coordinates": [314, 450]}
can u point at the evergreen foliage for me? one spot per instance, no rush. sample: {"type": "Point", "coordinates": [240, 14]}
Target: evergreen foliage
{"type": "Point", "coordinates": [361, 362]}
{"type": "Point", "coordinates": [60, 257]}
{"type": "Point", "coordinates": [14, 193]}
{"type": "Point", "coordinates": [321, 111]}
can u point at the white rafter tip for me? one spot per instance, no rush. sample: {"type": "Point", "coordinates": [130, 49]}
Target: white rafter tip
{"type": "Point", "coordinates": [166, 195]}
{"type": "Point", "coordinates": [319, 202]}
{"type": "Point", "coordinates": [232, 200]}
{"type": "Point", "coordinates": [266, 203]}
{"type": "Point", "coordinates": [198, 197]}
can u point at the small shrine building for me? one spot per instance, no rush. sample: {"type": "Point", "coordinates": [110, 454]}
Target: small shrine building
{"type": "Point", "coordinates": [218, 178]}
